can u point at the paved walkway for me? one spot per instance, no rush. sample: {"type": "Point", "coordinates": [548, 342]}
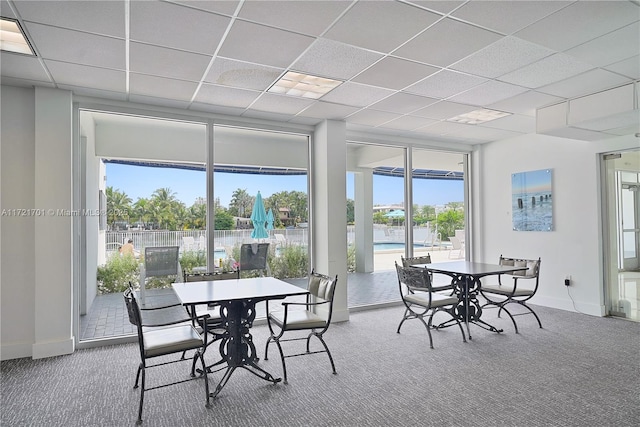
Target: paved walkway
{"type": "Point", "coordinates": [108, 315]}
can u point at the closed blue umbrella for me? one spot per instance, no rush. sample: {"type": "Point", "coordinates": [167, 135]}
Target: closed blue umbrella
{"type": "Point", "coordinates": [270, 220]}
{"type": "Point", "coordinates": [259, 218]}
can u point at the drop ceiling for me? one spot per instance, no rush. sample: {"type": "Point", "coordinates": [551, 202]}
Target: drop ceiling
{"type": "Point", "coordinates": [406, 66]}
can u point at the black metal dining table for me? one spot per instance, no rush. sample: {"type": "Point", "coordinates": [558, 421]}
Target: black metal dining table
{"type": "Point", "coordinates": [465, 278]}
{"type": "Point", "coordinates": [237, 299]}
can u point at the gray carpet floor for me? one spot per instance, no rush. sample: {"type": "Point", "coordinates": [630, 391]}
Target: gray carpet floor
{"type": "Point", "coordinates": [577, 371]}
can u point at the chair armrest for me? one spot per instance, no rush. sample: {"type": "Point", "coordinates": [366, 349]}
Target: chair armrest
{"type": "Point", "coordinates": [166, 316]}
{"type": "Point", "coordinates": [304, 303]}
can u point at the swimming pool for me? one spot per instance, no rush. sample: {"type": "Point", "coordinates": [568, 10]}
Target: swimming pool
{"type": "Point", "coordinates": [393, 246]}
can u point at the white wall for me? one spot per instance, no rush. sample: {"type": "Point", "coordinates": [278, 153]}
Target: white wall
{"type": "Point", "coordinates": [574, 247]}
{"type": "Point", "coordinates": [17, 236]}
{"type": "Point", "coordinates": [36, 257]}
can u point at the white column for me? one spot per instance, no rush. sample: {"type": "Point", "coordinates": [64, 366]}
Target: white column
{"type": "Point", "coordinates": [363, 190]}
{"type": "Point", "coordinates": [329, 208]}
{"type": "Point", "coordinates": [53, 232]}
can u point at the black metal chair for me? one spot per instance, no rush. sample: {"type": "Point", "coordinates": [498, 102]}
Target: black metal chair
{"type": "Point", "coordinates": [287, 318]}
{"type": "Point", "coordinates": [420, 298]}
{"type": "Point", "coordinates": [164, 331]}
{"type": "Point", "coordinates": [426, 259]}
{"type": "Point", "coordinates": [501, 295]}
{"type": "Point", "coordinates": [253, 257]}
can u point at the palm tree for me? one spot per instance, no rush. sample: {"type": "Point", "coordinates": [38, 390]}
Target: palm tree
{"type": "Point", "coordinates": [241, 203]}
{"type": "Point", "coordinates": [118, 206]}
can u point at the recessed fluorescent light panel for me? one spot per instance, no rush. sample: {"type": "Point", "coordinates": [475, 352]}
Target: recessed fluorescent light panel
{"type": "Point", "coordinates": [12, 38]}
{"type": "Point", "coordinates": [303, 85]}
{"type": "Point", "coordinates": [478, 116]}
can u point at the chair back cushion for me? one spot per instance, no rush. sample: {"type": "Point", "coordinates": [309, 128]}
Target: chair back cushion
{"type": "Point", "coordinates": [253, 256]}
{"type": "Point", "coordinates": [321, 286]}
{"type": "Point", "coordinates": [424, 259]}
{"type": "Point", "coordinates": [161, 261]}
{"type": "Point", "coordinates": [533, 266]}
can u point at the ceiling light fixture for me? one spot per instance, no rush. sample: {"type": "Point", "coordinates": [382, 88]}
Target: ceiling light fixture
{"type": "Point", "coordinates": [478, 116]}
{"type": "Point", "coordinates": [12, 38]}
{"type": "Point", "coordinates": [303, 85]}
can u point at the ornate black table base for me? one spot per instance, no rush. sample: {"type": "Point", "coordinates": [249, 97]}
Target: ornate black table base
{"type": "Point", "coordinates": [238, 350]}
{"type": "Point", "coordinates": [468, 309]}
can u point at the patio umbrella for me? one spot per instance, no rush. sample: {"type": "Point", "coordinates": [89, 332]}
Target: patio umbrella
{"type": "Point", "coordinates": [397, 213]}
{"type": "Point", "coordinates": [259, 217]}
{"type": "Point", "coordinates": [270, 220]}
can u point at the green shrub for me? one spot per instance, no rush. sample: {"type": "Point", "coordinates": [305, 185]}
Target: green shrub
{"type": "Point", "coordinates": [191, 259]}
{"type": "Point", "coordinates": [351, 258]}
{"type": "Point", "coordinates": [292, 262]}
{"type": "Point", "coordinates": [116, 274]}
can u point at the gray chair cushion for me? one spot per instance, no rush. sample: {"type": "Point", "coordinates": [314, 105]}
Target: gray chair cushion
{"type": "Point", "coordinates": [437, 300]}
{"type": "Point", "coordinates": [171, 340]}
{"type": "Point", "coordinates": [507, 290]}
{"type": "Point", "coordinates": [298, 319]}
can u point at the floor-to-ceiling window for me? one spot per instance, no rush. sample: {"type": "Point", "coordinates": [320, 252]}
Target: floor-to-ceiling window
{"type": "Point", "coordinates": [391, 209]}
{"type": "Point", "coordinates": [165, 181]}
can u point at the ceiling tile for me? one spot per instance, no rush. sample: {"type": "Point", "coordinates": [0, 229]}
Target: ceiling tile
{"type": "Point", "coordinates": [546, 71]}
{"type": "Point", "coordinates": [225, 96]}
{"type": "Point", "coordinates": [267, 115]}
{"type": "Point", "coordinates": [95, 93]}
{"type": "Point", "coordinates": [610, 48]}
{"type": "Point", "coordinates": [5, 10]}
{"type": "Point", "coordinates": [505, 55]}
{"type": "Point", "coordinates": [442, 128]}
{"type": "Point", "coordinates": [371, 117]}
{"type": "Point", "coordinates": [150, 22]}
{"type": "Point", "coordinates": [507, 16]}
{"type": "Point", "coordinates": [304, 17]}
{"type": "Point", "coordinates": [483, 134]}
{"type": "Point", "coordinates": [363, 25]}
{"type": "Point", "coordinates": [515, 123]}
{"type": "Point", "coordinates": [328, 58]}
{"type": "Point", "coordinates": [161, 87]}
{"type": "Point", "coordinates": [525, 103]}
{"type": "Point", "coordinates": [357, 95]}
{"type": "Point", "coordinates": [584, 84]}
{"type": "Point", "coordinates": [488, 93]}
{"type": "Point", "coordinates": [98, 17]}
{"type": "Point", "coordinates": [629, 67]}
{"type": "Point", "coordinates": [394, 73]}
{"type": "Point", "coordinates": [444, 110]}
{"type": "Point", "coordinates": [23, 66]}
{"type": "Point", "coordinates": [408, 123]}
{"type": "Point", "coordinates": [226, 7]}
{"type": "Point", "coordinates": [218, 109]}
{"type": "Point", "coordinates": [445, 83]}
{"type": "Point", "coordinates": [23, 82]}
{"type": "Point", "coordinates": [327, 110]}
{"type": "Point", "coordinates": [229, 72]}
{"type": "Point", "coordinates": [263, 45]}
{"type": "Point", "coordinates": [64, 73]}
{"type": "Point", "coordinates": [159, 101]}
{"type": "Point", "coordinates": [281, 103]}
{"type": "Point", "coordinates": [442, 6]}
{"type": "Point", "coordinates": [446, 42]}
{"type": "Point", "coordinates": [580, 22]}
{"type": "Point", "coordinates": [160, 61]}
{"type": "Point", "coordinates": [403, 103]}
{"type": "Point", "coordinates": [310, 121]}
{"type": "Point", "coordinates": [74, 46]}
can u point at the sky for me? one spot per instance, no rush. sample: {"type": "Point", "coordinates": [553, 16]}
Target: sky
{"type": "Point", "coordinates": [141, 182]}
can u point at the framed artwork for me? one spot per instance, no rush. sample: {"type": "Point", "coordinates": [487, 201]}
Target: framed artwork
{"type": "Point", "coordinates": [532, 200]}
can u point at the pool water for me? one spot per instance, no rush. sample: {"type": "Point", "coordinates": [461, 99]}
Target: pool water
{"type": "Point", "coordinates": [392, 246]}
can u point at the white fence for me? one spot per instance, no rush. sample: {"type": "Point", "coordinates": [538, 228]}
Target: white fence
{"type": "Point", "coordinates": [196, 239]}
